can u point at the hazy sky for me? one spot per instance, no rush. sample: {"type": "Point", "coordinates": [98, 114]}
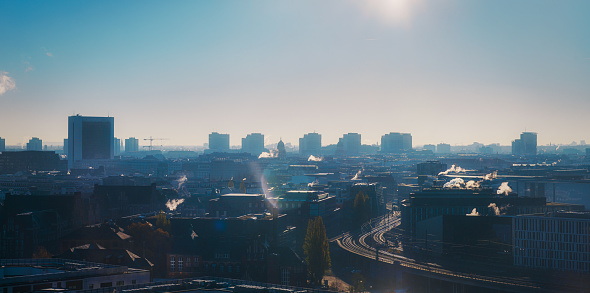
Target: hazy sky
{"type": "Point", "coordinates": [444, 70]}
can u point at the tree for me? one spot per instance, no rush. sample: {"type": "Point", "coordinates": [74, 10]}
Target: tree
{"type": "Point", "coordinates": [162, 222]}
{"type": "Point", "coordinates": [362, 209]}
{"type": "Point", "coordinates": [41, 252]}
{"type": "Point", "coordinates": [317, 250]}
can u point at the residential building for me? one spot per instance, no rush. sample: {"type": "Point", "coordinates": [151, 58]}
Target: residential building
{"type": "Point", "coordinates": [443, 148]}
{"type": "Point", "coordinates": [396, 142]}
{"type": "Point", "coordinates": [349, 144]}
{"type": "Point", "coordinates": [253, 143]}
{"type": "Point", "coordinates": [526, 145]}
{"type": "Point", "coordinates": [131, 145]}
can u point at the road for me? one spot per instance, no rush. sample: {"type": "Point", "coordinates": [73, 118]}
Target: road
{"type": "Point", "coordinates": [372, 238]}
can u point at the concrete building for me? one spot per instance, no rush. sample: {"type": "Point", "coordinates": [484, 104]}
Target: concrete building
{"type": "Point", "coordinates": [65, 147]}
{"type": "Point", "coordinates": [443, 148]}
{"type": "Point", "coordinates": [2, 144]}
{"type": "Point", "coordinates": [396, 142]}
{"type": "Point", "coordinates": [253, 143]}
{"type": "Point", "coordinates": [35, 144]}
{"type": "Point", "coordinates": [430, 147]}
{"type": "Point", "coordinates": [90, 139]}
{"type": "Point", "coordinates": [310, 144]}
{"type": "Point", "coordinates": [117, 147]}
{"type": "Point", "coordinates": [350, 144]}
{"type": "Point", "coordinates": [557, 241]}
{"type": "Point", "coordinates": [526, 145]}
{"type": "Point", "coordinates": [219, 142]}
{"type": "Point", "coordinates": [131, 145]}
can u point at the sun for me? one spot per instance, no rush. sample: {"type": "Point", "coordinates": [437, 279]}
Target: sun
{"type": "Point", "coordinates": [392, 12]}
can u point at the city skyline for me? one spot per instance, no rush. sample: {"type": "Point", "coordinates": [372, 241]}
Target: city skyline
{"type": "Point", "coordinates": [453, 71]}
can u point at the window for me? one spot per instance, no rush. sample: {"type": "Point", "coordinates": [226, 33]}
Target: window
{"type": "Point", "coordinates": [172, 263]}
{"type": "Point", "coordinates": [120, 283]}
{"type": "Point", "coordinates": [285, 277]}
{"type": "Point", "coordinates": [180, 263]}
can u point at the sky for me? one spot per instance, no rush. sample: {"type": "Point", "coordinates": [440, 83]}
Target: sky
{"type": "Point", "coordinates": [453, 71]}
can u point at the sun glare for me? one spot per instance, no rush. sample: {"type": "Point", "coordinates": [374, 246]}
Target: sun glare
{"type": "Point", "coordinates": [392, 12]}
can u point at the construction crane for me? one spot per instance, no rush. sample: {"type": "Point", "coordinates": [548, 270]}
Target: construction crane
{"type": "Point", "coordinates": [151, 139]}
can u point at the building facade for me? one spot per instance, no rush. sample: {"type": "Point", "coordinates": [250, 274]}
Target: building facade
{"type": "Point", "coordinates": [253, 143]}
{"type": "Point", "coordinates": [557, 241]}
{"type": "Point", "coordinates": [131, 145]}
{"type": "Point", "coordinates": [395, 142]}
{"type": "Point", "coordinates": [219, 142]}
{"type": "Point", "coordinates": [35, 144]}
{"type": "Point", "coordinates": [310, 144]}
{"type": "Point", "coordinates": [90, 138]}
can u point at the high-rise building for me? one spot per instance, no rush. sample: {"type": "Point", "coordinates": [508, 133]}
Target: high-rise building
{"type": "Point", "coordinates": [218, 142]}
{"type": "Point", "coordinates": [131, 145]}
{"type": "Point", "coordinates": [65, 148]}
{"type": "Point", "coordinates": [35, 144]}
{"type": "Point", "coordinates": [281, 149]}
{"type": "Point", "coordinates": [526, 145]}
{"type": "Point", "coordinates": [430, 147]}
{"type": "Point", "coordinates": [90, 138]}
{"type": "Point", "coordinates": [310, 144]}
{"type": "Point", "coordinates": [396, 142]}
{"type": "Point", "coordinates": [2, 144]}
{"type": "Point", "coordinates": [253, 143]}
{"type": "Point", "coordinates": [117, 148]}
{"type": "Point", "coordinates": [350, 144]}
{"type": "Point", "coordinates": [443, 148]}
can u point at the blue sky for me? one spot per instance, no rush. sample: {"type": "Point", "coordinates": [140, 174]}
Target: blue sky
{"type": "Point", "coordinates": [446, 71]}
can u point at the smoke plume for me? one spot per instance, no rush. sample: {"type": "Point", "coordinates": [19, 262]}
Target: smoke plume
{"type": "Point", "coordinates": [313, 158]}
{"type": "Point", "coordinates": [473, 213]}
{"type": "Point", "coordinates": [471, 184]}
{"type": "Point", "coordinates": [270, 154]}
{"type": "Point", "coordinates": [172, 204]}
{"type": "Point", "coordinates": [453, 169]}
{"type": "Point", "coordinates": [491, 176]}
{"type": "Point", "coordinates": [504, 189]}
{"type": "Point", "coordinates": [455, 183]}
{"type": "Point", "coordinates": [357, 175]}
{"type": "Point", "coordinates": [495, 209]}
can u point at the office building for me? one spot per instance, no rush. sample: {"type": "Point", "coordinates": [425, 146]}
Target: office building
{"type": "Point", "coordinates": [12, 162]}
{"type": "Point", "coordinates": [131, 145]}
{"type": "Point", "coordinates": [117, 147]}
{"type": "Point", "coordinates": [65, 147]}
{"type": "Point", "coordinates": [395, 142]}
{"type": "Point", "coordinates": [443, 148]}
{"type": "Point", "coordinates": [219, 142]}
{"type": "Point", "coordinates": [2, 144]}
{"type": "Point", "coordinates": [90, 139]}
{"type": "Point", "coordinates": [430, 147]}
{"type": "Point", "coordinates": [556, 241]}
{"type": "Point", "coordinates": [310, 144]}
{"type": "Point", "coordinates": [35, 144]}
{"type": "Point", "coordinates": [526, 145]}
{"type": "Point", "coordinates": [349, 144]}
{"type": "Point", "coordinates": [253, 143]}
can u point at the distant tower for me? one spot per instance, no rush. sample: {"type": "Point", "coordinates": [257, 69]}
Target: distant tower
{"type": "Point", "coordinates": [117, 148]}
{"type": "Point", "coordinates": [218, 142]}
{"type": "Point", "coordinates": [395, 142]}
{"type": "Point", "coordinates": [35, 144]}
{"type": "Point", "coordinates": [253, 143]}
{"type": "Point", "coordinates": [310, 144]}
{"type": "Point", "coordinates": [350, 144]}
{"type": "Point", "coordinates": [90, 138]}
{"type": "Point", "coordinates": [131, 145]}
{"type": "Point", "coordinates": [65, 149]}
{"type": "Point", "coordinates": [282, 151]}
{"type": "Point", "coordinates": [525, 145]}
{"type": "Point", "coordinates": [443, 148]}
{"type": "Point", "coordinates": [2, 144]}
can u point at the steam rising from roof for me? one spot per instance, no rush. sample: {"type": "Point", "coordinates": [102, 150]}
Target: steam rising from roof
{"type": "Point", "coordinates": [473, 213]}
{"type": "Point", "coordinates": [313, 158]}
{"type": "Point", "coordinates": [172, 204]}
{"type": "Point", "coordinates": [504, 189]}
{"type": "Point", "coordinates": [453, 169]}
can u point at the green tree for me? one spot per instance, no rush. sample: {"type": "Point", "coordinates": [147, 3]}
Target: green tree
{"type": "Point", "coordinates": [362, 208]}
{"type": "Point", "coordinates": [317, 250]}
{"type": "Point", "coordinates": [162, 222]}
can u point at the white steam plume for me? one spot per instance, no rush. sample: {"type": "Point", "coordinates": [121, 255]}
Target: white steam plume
{"type": "Point", "coordinates": [473, 213]}
{"type": "Point", "coordinates": [504, 189]}
{"type": "Point", "coordinates": [172, 204]}
{"type": "Point", "coordinates": [453, 169]}
{"type": "Point", "coordinates": [491, 176]}
{"type": "Point", "coordinates": [471, 184]}
{"type": "Point", "coordinates": [271, 154]}
{"type": "Point", "coordinates": [6, 83]}
{"type": "Point", "coordinates": [495, 208]}
{"type": "Point", "coordinates": [313, 158]}
{"type": "Point", "coordinates": [455, 183]}
{"type": "Point", "coordinates": [357, 175]}
{"type": "Point", "coordinates": [314, 183]}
